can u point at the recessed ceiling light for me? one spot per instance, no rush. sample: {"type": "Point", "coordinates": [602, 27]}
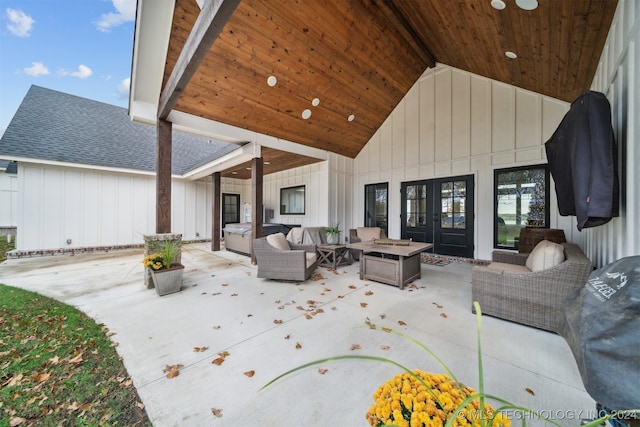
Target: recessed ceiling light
{"type": "Point", "coordinates": [267, 163]}
{"type": "Point", "coordinates": [527, 4]}
{"type": "Point", "coordinates": [248, 169]}
{"type": "Point", "coordinates": [306, 114]}
{"type": "Point", "coordinates": [510, 55]}
{"type": "Point", "coordinates": [315, 102]}
{"type": "Point", "coordinates": [234, 173]}
{"type": "Point", "coordinates": [272, 81]}
{"type": "Point", "coordinates": [351, 117]}
{"type": "Point", "coordinates": [498, 4]}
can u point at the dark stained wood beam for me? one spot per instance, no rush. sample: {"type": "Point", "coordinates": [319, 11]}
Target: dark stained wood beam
{"type": "Point", "coordinates": [208, 26]}
{"type": "Point", "coordinates": [163, 177]}
{"type": "Point", "coordinates": [216, 209]}
{"type": "Point", "coordinates": [421, 49]}
{"type": "Point", "coordinates": [256, 201]}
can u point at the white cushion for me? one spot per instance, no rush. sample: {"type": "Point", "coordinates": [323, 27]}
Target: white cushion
{"type": "Point", "coordinates": [311, 258]}
{"type": "Point", "coordinates": [366, 234]}
{"type": "Point", "coordinates": [545, 255]}
{"type": "Point", "coordinates": [295, 235]}
{"type": "Point", "coordinates": [279, 241]}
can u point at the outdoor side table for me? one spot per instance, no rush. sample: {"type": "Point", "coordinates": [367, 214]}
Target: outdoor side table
{"type": "Point", "coordinates": [333, 256]}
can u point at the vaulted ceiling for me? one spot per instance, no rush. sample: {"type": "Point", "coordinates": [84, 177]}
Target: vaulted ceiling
{"type": "Point", "coordinates": [359, 58]}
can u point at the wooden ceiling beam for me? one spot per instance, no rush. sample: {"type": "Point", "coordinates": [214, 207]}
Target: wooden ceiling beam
{"type": "Point", "coordinates": [211, 20]}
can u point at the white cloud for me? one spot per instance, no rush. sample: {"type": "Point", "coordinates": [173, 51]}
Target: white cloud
{"type": "Point", "coordinates": [82, 73]}
{"type": "Point", "coordinates": [125, 12]}
{"type": "Point", "coordinates": [20, 24]}
{"type": "Point", "coordinates": [36, 69]}
{"type": "Point", "coordinates": [123, 88]}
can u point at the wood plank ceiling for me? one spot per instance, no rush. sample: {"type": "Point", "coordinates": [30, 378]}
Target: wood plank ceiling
{"type": "Point", "coordinates": [360, 57]}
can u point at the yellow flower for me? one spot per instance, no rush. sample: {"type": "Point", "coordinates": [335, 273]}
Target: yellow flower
{"type": "Point", "coordinates": [405, 401]}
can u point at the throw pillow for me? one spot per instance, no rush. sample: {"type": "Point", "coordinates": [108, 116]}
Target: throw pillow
{"type": "Point", "coordinates": [545, 255]}
{"type": "Point", "coordinates": [367, 234]}
{"type": "Point", "coordinates": [278, 241]}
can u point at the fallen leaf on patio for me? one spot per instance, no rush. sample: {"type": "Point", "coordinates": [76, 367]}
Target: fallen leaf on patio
{"type": "Point", "coordinates": [327, 290]}
{"type": "Point", "coordinates": [528, 390]}
{"type": "Point", "coordinates": [234, 295]}
{"type": "Point", "coordinates": [281, 307]}
{"type": "Point", "coordinates": [217, 327]}
{"type": "Point", "coordinates": [311, 302]}
{"type": "Point", "coordinates": [225, 284]}
{"type": "Point", "coordinates": [334, 308]}
{"type": "Point", "coordinates": [308, 316]}
{"type": "Point", "coordinates": [250, 373]}
{"type": "Point", "coordinates": [204, 293]}
{"type": "Point", "coordinates": [355, 347]}
{"type": "Point", "coordinates": [110, 334]}
{"type": "Point", "coordinates": [115, 344]}
{"type": "Point", "coordinates": [277, 301]}
{"type": "Point", "coordinates": [382, 316]}
{"type": "Point", "coordinates": [216, 293]}
{"type": "Point", "coordinates": [363, 304]}
{"type": "Point", "coordinates": [277, 321]}
{"type": "Point", "coordinates": [300, 307]}
{"type": "Point", "coordinates": [352, 286]}
{"type": "Point", "coordinates": [414, 286]}
{"type": "Point", "coordinates": [340, 296]}
{"type": "Point", "coordinates": [322, 370]}
{"type": "Point", "coordinates": [386, 329]}
{"type": "Point", "coordinates": [401, 323]}
{"type": "Point", "coordinates": [443, 315]}
{"type": "Point", "coordinates": [16, 421]}
{"type": "Point", "coordinates": [172, 370]}
{"type": "Point", "coordinates": [249, 315]}
{"type": "Point", "coordinates": [298, 346]}
{"type": "Point", "coordinates": [368, 293]}
{"type": "Point", "coordinates": [287, 337]}
{"type": "Point", "coordinates": [317, 277]}
{"type": "Point", "coordinates": [319, 310]}
{"type": "Point", "coordinates": [224, 354]}
{"type": "Point", "coordinates": [334, 272]}
{"type": "Point", "coordinates": [384, 347]}
{"type": "Point", "coordinates": [218, 361]}
{"type": "Point", "coordinates": [42, 378]}
{"type": "Point", "coordinates": [200, 349]}
{"type": "Point", "coordinates": [217, 412]}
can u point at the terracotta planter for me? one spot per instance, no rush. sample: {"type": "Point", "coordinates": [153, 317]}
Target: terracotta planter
{"type": "Point", "coordinates": [168, 281]}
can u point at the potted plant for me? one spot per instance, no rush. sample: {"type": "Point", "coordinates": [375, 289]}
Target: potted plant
{"type": "Point", "coordinates": [333, 234]}
{"type": "Point", "coordinates": [166, 273]}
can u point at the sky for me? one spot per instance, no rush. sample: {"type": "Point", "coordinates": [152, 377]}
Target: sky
{"type": "Point", "coordinates": [80, 47]}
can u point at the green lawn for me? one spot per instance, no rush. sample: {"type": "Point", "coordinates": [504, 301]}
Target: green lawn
{"type": "Point", "coordinates": [58, 367]}
{"type": "Point", "coordinates": [6, 247]}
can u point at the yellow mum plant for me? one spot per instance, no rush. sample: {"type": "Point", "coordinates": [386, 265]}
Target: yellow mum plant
{"type": "Point", "coordinates": [424, 399]}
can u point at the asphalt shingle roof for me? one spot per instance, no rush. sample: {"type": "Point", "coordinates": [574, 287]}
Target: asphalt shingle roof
{"type": "Point", "coordinates": [55, 126]}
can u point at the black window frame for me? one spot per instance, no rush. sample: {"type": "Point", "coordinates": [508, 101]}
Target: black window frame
{"type": "Point", "coordinates": [547, 201]}
{"type": "Point", "coordinates": [374, 222]}
{"type": "Point", "coordinates": [304, 199]}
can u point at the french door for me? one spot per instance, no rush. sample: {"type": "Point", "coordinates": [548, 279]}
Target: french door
{"type": "Point", "coordinates": [439, 211]}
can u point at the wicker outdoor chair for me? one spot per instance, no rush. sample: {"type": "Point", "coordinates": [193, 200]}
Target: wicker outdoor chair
{"type": "Point", "coordinates": [294, 262]}
{"type": "Point", "coordinates": [364, 234]}
{"type": "Point", "coordinates": [531, 298]}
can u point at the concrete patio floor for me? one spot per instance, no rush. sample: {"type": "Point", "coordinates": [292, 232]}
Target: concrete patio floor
{"type": "Point", "coordinates": [270, 327]}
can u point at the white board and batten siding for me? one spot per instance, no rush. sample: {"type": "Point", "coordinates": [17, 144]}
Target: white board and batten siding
{"type": "Point", "coordinates": [455, 123]}
{"type": "Point", "coordinates": [618, 77]}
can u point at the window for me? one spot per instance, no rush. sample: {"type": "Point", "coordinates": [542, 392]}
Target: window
{"type": "Point", "coordinates": [376, 206]}
{"type": "Point", "coordinates": [521, 200]}
{"type": "Point", "coordinates": [453, 195]}
{"type": "Point", "coordinates": [292, 200]}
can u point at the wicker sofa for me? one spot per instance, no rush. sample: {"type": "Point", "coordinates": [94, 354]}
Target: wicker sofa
{"type": "Point", "coordinates": [284, 260]}
{"type": "Point", "coordinates": [531, 298]}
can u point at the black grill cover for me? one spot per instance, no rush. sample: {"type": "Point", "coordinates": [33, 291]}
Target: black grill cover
{"type": "Point", "coordinates": [603, 330]}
